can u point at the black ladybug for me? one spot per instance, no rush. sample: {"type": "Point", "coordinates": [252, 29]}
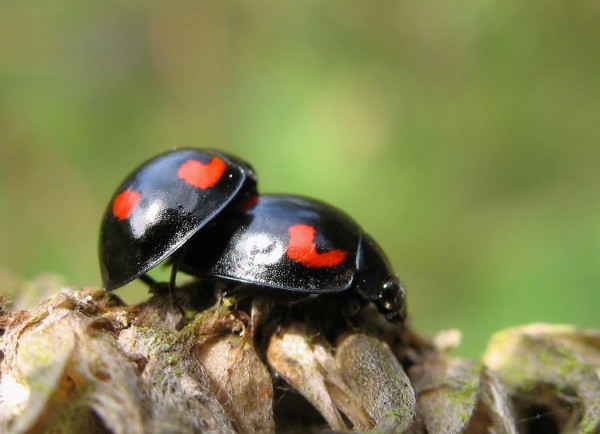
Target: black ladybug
{"type": "Point", "coordinates": [301, 245]}
{"type": "Point", "coordinates": [162, 204]}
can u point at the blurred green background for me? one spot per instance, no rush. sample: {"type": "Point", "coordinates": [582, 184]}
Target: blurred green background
{"type": "Point", "coordinates": [463, 136]}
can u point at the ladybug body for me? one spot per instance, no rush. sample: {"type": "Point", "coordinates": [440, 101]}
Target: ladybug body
{"type": "Point", "coordinates": [163, 204]}
{"type": "Point", "coordinates": [298, 244]}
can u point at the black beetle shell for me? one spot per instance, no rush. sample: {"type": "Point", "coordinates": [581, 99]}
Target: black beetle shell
{"type": "Point", "coordinates": [256, 250]}
{"type": "Point", "coordinates": [155, 210]}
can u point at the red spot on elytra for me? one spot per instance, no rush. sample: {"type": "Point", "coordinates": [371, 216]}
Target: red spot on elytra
{"type": "Point", "coordinates": [201, 175]}
{"type": "Point", "coordinates": [301, 248]}
{"type": "Point", "coordinates": [124, 203]}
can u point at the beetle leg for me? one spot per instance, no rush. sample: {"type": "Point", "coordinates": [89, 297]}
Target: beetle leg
{"type": "Point", "coordinates": [177, 258]}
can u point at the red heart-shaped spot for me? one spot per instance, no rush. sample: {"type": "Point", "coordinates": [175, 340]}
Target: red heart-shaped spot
{"type": "Point", "coordinates": [202, 175]}
{"type": "Point", "coordinates": [124, 203]}
{"type": "Point", "coordinates": [301, 248]}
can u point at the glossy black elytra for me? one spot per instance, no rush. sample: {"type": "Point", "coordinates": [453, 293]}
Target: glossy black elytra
{"type": "Point", "coordinates": [302, 245]}
{"type": "Point", "coordinates": [162, 204]}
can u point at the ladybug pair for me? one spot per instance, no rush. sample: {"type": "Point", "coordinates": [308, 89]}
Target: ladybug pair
{"type": "Point", "coordinates": [201, 207]}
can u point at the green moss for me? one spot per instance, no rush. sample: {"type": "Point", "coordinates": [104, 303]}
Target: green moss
{"type": "Point", "coordinates": [569, 366]}
{"type": "Point", "coordinates": [464, 417]}
{"type": "Point", "coordinates": [465, 389]}
{"type": "Point", "coordinates": [42, 358]}
{"type": "Point", "coordinates": [37, 318]}
{"type": "Point", "coordinates": [589, 428]}
{"type": "Point", "coordinates": [39, 386]}
{"type": "Point", "coordinates": [546, 358]}
{"type": "Point", "coordinates": [309, 340]}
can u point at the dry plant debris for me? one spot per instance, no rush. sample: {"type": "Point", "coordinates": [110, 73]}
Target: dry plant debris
{"type": "Point", "coordinates": [82, 361]}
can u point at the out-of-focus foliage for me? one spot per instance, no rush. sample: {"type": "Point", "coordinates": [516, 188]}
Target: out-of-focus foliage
{"type": "Point", "coordinates": [464, 136]}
